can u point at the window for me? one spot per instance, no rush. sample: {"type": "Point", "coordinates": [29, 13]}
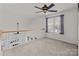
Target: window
{"type": "Point", "coordinates": [51, 25]}
{"type": "Point", "coordinates": [56, 24]}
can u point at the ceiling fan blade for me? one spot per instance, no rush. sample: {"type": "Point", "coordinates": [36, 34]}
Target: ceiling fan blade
{"type": "Point", "coordinates": [51, 5]}
{"type": "Point", "coordinates": [38, 7]}
{"type": "Point", "coordinates": [52, 10]}
{"type": "Point", "coordinates": [39, 11]}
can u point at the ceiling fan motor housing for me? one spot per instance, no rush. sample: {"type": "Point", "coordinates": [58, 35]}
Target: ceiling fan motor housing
{"type": "Point", "coordinates": [45, 8]}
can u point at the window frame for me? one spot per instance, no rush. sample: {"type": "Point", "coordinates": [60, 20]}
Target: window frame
{"type": "Point", "coordinates": [61, 24]}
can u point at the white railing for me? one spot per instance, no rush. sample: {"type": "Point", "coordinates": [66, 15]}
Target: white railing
{"type": "Point", "coordinates": [12, 40]}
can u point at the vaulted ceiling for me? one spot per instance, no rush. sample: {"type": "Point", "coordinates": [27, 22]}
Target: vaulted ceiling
{"type": "Point", "coordinates": [10, 13]}
{"type": "Point", "coordinates": [27, 10]}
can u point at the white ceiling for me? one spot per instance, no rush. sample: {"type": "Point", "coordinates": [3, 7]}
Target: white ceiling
{"type": "Point", "coordinates": [24, 13]}
{"type": "Point", "coordinates": [27, 10]}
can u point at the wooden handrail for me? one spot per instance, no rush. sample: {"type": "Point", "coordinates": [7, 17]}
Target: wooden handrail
{"type": "Point", "coordinates": [11, 31]}
{"type": "Point", "coordinates": [15, 31]}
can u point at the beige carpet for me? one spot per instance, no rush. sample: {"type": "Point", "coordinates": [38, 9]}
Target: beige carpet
{"type": "Point", "coordinates": [43, 47]}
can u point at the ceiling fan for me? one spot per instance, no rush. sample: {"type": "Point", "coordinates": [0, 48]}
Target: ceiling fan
{"type": "Point", "coordinates": [46, 8]}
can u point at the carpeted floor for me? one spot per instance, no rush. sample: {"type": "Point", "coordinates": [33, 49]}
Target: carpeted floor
{"type": "Point", "coordinates": [43, 47]}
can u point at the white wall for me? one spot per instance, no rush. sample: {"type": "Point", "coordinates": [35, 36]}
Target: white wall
{"type": "Point", "coordinates": [11, 13]}
{"type": "Point", "coordinates": [37, 24]}
{"type": "Point", "coordinates": [78, 31]}
{"type": "Point", "coordinates": [70, 27]}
